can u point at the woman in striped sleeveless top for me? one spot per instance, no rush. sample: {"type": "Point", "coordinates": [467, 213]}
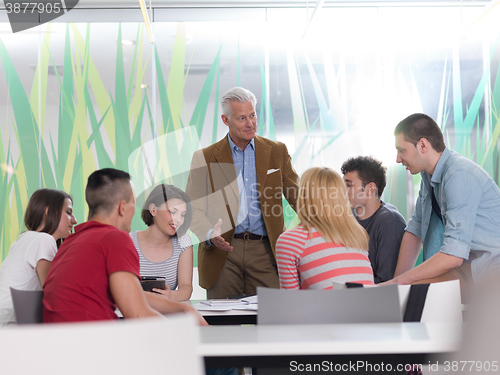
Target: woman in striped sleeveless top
{"type": "Point", "coordinates": [164, 248]}
{"type": "Point", "coordinates": [328, 244]}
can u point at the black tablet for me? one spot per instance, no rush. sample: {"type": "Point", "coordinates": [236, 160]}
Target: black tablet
{"type": "Point", "coordinates": [150, 282]}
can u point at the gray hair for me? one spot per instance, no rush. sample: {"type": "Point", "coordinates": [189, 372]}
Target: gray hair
{"type": "Point", "coordinates": [236, 94]}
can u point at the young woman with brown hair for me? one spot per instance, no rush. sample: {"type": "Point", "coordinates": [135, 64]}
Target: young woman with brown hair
{"type": "Point", "coordinates": [48, 219]}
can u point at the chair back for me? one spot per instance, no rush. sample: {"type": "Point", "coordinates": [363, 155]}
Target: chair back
{"type": "Point", "coordinates": [198, 292]}
{"type": "Point", "coordinates": [355, 305]}
{"type": "Point", "coordinates": [28, 306]}
{"type": "Point", "coordinates": [442, 302]}
{"type": "Point", "coordinates": [134, 346]}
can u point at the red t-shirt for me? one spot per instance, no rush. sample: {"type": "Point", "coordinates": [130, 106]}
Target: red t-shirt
{"type": "Point", "coordinates": [77, 286]}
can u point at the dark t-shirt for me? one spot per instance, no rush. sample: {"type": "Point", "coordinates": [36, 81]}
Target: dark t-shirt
{"type": "Point", "coordinates": [77, 285]}
{"type": "Point", "coordinates": [385, 228]}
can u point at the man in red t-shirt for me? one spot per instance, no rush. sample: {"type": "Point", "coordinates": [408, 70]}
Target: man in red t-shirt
{"type": "Point", "coordinates": [98, 266]}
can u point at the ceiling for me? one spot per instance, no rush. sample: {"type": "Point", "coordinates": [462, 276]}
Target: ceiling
{"type": "Point", "coordinates": [23, 47]}
{"type": "Point", "coordinates": [122, 4]}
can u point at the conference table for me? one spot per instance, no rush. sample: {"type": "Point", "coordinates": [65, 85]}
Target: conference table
{"type": "Point", "coordinates": [227, 317]}
{"type": "Point", "coordinates": [334, 345]}
{"type": "Point", "coordinates": [231, 317]}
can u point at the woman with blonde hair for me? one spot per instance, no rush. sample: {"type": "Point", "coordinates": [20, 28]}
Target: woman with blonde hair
{"type": "Point", "coordinates": [328, 245]}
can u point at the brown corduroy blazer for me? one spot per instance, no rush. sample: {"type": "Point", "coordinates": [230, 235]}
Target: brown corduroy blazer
{"type": "Point", "coordinates": [213, 190]}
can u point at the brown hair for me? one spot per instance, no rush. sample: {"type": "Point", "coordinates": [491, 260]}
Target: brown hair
{"type": "Point", "coordinates": [418, 126]}
{"type": "Point", "coordinates": [161, 194]}
{"type": "Point", "coordinates": [323, 204]}
{"type": "Point", "coordinates": [42, 201]}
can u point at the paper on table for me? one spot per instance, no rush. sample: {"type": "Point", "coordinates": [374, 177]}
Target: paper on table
{"type": "Point", "coordinates": [251, 299]}
{"type": "Point", "coordinates": [219, 302]}
{"type": "Point", "coordinates": [221, 307]}
{"type": "Point", "coordinates": [248, 303]}
{"type": "Point", "coordinates": [202, 307]}
{"type": "Point", "coordinates": [251, 306]}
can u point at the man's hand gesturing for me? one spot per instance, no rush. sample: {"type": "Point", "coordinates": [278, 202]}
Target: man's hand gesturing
{"type": "Point", "coordinates": [217, 239]}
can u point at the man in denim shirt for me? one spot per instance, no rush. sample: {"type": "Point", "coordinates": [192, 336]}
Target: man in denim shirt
{"type": "Point", "coordinates": [466, 200]}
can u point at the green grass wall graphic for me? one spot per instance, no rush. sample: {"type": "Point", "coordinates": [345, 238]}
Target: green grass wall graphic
{"type": "Point", "coordinates": [99, 125]}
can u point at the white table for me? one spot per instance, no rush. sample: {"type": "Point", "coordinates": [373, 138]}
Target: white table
{"type": "Point", "coordinates": [277, 345]}
{"type": "Point", "coordinates": [229, 317]}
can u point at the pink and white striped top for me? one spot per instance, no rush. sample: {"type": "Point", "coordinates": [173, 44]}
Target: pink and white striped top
{"type": "Point", "coordinates": [313, 263]}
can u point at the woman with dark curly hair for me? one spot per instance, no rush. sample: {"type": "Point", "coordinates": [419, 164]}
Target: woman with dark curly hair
{"type": "Point", "coordinates": [164, 248]}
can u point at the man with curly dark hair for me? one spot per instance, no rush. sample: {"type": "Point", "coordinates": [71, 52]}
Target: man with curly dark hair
{"type": "Point", "coordinates": [365, 181]}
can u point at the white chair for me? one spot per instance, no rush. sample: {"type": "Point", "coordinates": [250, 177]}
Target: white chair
{"type": "Point", "coordinates": [481, 331]}
{"type": "Point", "coordinates": [357, 305]}
{"type": "Point", "coordinates": [198, 292]}
{"type": "Point", "coordinates": [442, 303]}
{"type": "Point", "coordinates": [136, 346]}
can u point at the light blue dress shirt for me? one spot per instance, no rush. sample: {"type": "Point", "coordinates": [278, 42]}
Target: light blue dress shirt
{"type": "Point", "coordinates": [469, 200]}
{"type": "Point", "coordinates": [250, 214]}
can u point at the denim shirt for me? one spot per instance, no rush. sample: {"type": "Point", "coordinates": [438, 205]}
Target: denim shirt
{"type": "Point", "coordinates": [469, 200]}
